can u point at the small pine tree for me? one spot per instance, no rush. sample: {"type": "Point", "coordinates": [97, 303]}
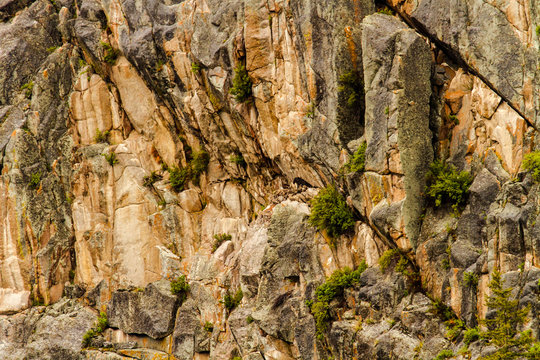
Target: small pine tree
{"type": "Point", "coordinates": [502, 329]}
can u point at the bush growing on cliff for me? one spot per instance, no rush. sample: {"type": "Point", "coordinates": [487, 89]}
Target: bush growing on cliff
{"type": "Point", "coordinates": [149, 180]}
{"type": "Point", "coordinates": [180, 287]}
{"type": "Point", "coordinates": [110, 54]}
{"type": "Point", "coordinates": [35, 180]}
{"type": "Point", "coordinates": [446, 185]}
{"type": "Point", "coordinates": [330, 212]}
{"type": "Point", "coordinates": [241, 89]}
{"type": "Point", "coordinates": [502, 329]}
{"type": "Point", "coordinates": [231, 301]}
{"type": "Point", "coordinates": [102, 137]}
{"type": "Point", "coordinates": [531, 162]}
{"type": "Point", "coordinates": [357, 162]}
{"type": "Point", "coordinates": [198, 163]}
{"type": "Point", "coordinates": [352, 87]}
{"type": "Point", "coordinates": [334, 286]}
{"type": "Point", "coordinates": [111, 158]}
{"type": "Point", "coordinates": [220, 239]}
{"type": "Point", "coordinates": [99, 327]}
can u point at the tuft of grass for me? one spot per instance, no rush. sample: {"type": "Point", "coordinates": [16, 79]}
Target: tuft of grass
{"type": "Point", "coordinates": [357, 162]}
{"type": "Point", "coordinates": [446, 185]}
{"type": "Point", "coordinates": [454, 119]}
{"type": "Point", "coordinates": [52, 49]}
{"type": "Point", "coordinates": [102, 137]}
{"type": "Point", "coordinates": [220, 239]}
{"type": "Point", "coordinates": [231, 301]}
{"type": "Point", "coordinates": [180, 287]}
{"type": "Point", "coordinates": [111, 158]}
{"type": "Point", "coordinates": [250, 319]}
{"type": "Point", "coordinates": [35, 180]}
{"type": "Point", "coordinates": [538, 31]}
{"type": "Point", "coordinates": [28, 87]}
{"type": "Point", "coordinates": [242, 85]}
{"type": "Point", "coordinates": [110, 54]}
{"type": "Point", "coordinates": [149, 180]}
{"type": "Point", "coordinates": [531, 162]}
{"type": "Point", "coordinates": [330, 212]}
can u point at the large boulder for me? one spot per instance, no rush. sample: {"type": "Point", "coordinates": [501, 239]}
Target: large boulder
{"type": "Point", "coordinates": [150, 312]}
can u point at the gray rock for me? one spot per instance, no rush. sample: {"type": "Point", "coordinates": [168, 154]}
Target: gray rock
{"type": "Point", "coordinates": [397, 72]}
{"type": "Point", "coordinates": [151, 312]}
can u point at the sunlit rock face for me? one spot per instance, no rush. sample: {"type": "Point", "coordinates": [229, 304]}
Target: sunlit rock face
{"type": "Point", "coordinates": [126, 162]}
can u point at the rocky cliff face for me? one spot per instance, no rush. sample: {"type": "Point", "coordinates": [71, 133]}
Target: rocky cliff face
{"type": "Point", "coordinates": [126, 162]}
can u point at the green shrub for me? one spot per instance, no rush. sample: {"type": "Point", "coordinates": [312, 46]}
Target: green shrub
{"type": "Point", "coordinates": [111, 158]}
{"type": "Point", "coordinates": [178, 177]}
{"type": "Point", "coordinates": [238, 159]}
{"type": "Point", "coordinates": [241, 89]}
{"type": "Point", "coordinates": [220, 239]}
{"type": "Point", "coordinates": [98, 328]}
{"type": "Point", "coordinates": [502, 329]}
{"type": "Point", "coordinates": [52, 49]}
{"type": "Point", "coordinates": [387, 258]}
{"type": "Point", "coordinates": [351, 85]}
{"type": "Point", "coordinates": [454, 327]}
{"type": "Point", "coordinates": [333, 287]}
{"type": "Point", "coordinates": [330, 212]}
{"type": "Point", "coordinates": [250, 319]}
{"type": "Point", "coordinates": [102, 137]}
{"type": "Point", "coordinates": [102, 322]}
{"type": "Point", "coordinates": [232, 301]}
{"type": "Point", "coordinates": [538, 31]}
{"type": "Point", "coordinates": [446, 185]}
{"type": "Point", "coordinates": [444, 312]}
{"type": "Point", "coordinates": [385, 10]}
{"type": "Point", "coordinates": [149, 180]}
{"type": "Point", "coordinates": [198, 164]}
{"type": "Point", "coordinates": [444, 354]}
{"type": "Point", "coordinates": [470, 280]}
{"type": "Point", "coordinates": [357, 162]}
{"type": "Point", "coordinates": [28, 87]}
{"type": "Point", "coordinates": [208, 327]}
{"type": "Point", "coordinates": [110, 54]}
{"type": "Point", "coordinates": [87, 338]}
{"type": "Point", "coordinates": [195, 67]}
{"type": "Point", "coordinates": [35, 180]}
{"type": "Point", "coordinates": [531, 162]}
{"type": "Point", "coordinates": [180, 287]}
{"type": "Point", "coordinates": [471, 335]}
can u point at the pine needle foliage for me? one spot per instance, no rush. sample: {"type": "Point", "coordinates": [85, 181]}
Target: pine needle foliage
{"type": "Point", "coordinates": [502, 328]}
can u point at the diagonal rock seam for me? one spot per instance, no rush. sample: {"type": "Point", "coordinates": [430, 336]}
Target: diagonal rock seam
{"type": "Point", "coordinates": [454, 55]}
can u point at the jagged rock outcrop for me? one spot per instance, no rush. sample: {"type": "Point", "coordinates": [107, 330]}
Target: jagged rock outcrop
{"type": "Point", "coordinates": [126, 162]}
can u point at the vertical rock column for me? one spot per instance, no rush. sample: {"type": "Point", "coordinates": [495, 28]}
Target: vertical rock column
{"type": "Point", "coordinates": [397, 71]}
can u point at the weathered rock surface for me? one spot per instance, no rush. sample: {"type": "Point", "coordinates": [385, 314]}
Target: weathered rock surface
{"type": "Point", "coordinates": [150, 312]}
{"type": "Point", "coordinates": [107, 108]}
